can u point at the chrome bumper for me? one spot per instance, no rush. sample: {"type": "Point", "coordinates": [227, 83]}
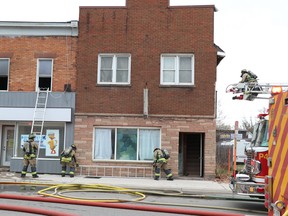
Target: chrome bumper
{"type": "Point", "coordinates": [248, 188]}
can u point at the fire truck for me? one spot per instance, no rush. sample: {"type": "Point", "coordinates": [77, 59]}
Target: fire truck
{"type": "Point", "coordinates": [266, 166]}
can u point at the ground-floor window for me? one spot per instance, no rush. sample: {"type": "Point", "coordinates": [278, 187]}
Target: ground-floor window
{"type": "Point", "coordinates": [125, 143]}
{"type": "Point", "coordinates": [50, 145]}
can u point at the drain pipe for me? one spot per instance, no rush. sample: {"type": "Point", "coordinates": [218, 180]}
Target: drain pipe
{"type": "Point", "coordinates": [119, 206]}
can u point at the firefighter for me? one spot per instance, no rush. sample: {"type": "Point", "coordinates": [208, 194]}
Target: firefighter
{"type": "Point", "coordinates": [30, 149]}
{"type": "Point", "coordinates": [160, 162]}
{"type": "Point", "coordinates": [248, 76]}
{"type": "Point", "coordinates": [68, 158]}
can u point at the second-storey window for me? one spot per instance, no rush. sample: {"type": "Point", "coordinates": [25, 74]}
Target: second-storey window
{"type": "Point", "coordinates": [45, 69]}
{"type": "Point", "coordinates": [114, 69]}
{"type": "Point", "coordinates": [177, 69]}
{"type": "Point", "coordinates": [4, 72]}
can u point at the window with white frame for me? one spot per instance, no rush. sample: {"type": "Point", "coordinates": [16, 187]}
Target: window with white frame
{"type": "Point", "coordinates": [45, 69]}
{"type": "Point", "coordinates": [114, 69]}
{"type": "Point", "coordinates": [124, 144]}
{"type": "Point", "coordinates": [4, 72]}
{"type": "Point", "coordinates": [177, 69]}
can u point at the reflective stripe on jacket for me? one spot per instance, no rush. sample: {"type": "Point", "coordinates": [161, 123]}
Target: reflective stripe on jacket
{"type": "Point", "coordinates": [158, 157]}
{"type": "Point", "coordinates": [66, 159]}
{"type": "Point", "coordinates": [29, 157]}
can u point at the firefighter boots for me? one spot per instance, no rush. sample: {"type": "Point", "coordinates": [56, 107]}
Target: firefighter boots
{"type": "Point", "coordinates": [23, 176]}
{"type": "Point", "coordinates": [35, 176]}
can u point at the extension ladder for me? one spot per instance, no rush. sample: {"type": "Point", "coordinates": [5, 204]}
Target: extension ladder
{"type": "Point", "coordinates": [39, 113]}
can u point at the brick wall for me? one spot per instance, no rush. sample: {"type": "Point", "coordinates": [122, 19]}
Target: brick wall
{"type": "Point", "coordinates": [23, 53]}
{"type": "Point", "coordinates": [146, 29]}
{"type": "Point", "coordinates": [170, 129]}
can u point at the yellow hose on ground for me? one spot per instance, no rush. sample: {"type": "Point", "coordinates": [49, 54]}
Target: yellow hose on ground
{"type": "Point", "coordinates": [95, 187]}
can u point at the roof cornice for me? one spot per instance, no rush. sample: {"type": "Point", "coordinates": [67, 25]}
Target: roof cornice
{"type": "Point", "coordinates": [16, 28]}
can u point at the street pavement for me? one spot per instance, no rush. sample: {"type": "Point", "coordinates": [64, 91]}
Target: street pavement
{"type": "Point", "coordinates": [191, 186]}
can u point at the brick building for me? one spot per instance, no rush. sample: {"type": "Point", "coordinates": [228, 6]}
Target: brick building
{"type": "Point", "coordinates": [33, 56]}
{"type": "Point", "coordinates": [146, 76]}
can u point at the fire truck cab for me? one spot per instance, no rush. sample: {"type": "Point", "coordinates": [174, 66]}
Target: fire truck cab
{"type": "Point", "coordinates": [251, 180]}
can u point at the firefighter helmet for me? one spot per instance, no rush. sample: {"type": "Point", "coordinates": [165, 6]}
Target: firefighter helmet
{"type": "Point", "coordinates": [31, 136]}
{"type": "Point", "coordinates": [74, 146]}
{"type": "Point", "coordinates": [156, 149]}
{"type": "Point", "coordinates": [243, 71]}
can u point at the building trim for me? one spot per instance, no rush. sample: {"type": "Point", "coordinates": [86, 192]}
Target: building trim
{"type": "Point", "coordinates": [26, 114]}
{"type": "Point", "coordinates": [151, 115]}
{"type": "Point", "coordinates": [13, 28]}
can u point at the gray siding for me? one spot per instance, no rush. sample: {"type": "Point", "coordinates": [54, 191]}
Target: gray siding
{"type": "Point", "coordinates": [28, 99]}
{"type": "Point", "coordinates": [43, 166]}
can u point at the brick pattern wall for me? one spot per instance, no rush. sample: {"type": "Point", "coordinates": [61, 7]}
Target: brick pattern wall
{"type": "Point", "coordinates": [117, 171]}
{"type": "Point", "coordinates": [146, 29]}
{"type": "Point", "coordinates": [23, 53]}
{"type": "Point", "coordinates": [170, 129]}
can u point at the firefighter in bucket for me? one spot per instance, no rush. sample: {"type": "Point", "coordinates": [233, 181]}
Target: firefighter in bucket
{"type": "Point", "coordinates": [68, 158]}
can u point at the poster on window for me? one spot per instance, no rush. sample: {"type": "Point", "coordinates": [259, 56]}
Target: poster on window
{"type": "Point", "coordinates": [40, 142]}
{"type": "Point", "coordinates": [52, 143]}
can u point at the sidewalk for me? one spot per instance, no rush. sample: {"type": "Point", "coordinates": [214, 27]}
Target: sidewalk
{"type": "Point", "coordinates": [183, 185]}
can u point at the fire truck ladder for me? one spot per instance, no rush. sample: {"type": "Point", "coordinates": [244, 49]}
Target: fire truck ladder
{"type": "Point", "coordinates": [261, 88]}
{"type": "Point", "coordinates": [39, 113]}
{"type": "Point", "coordinates": [251, 91]}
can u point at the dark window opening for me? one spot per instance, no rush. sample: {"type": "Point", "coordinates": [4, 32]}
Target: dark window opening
{"type": "Point", "coordinates": [4, 71]}
{"type": "Point", "coordinates": [45, 83]}
{"type": "Point", "coordinates": [45, 74]}
{"type": "Point", "coordinates": [3, 83]}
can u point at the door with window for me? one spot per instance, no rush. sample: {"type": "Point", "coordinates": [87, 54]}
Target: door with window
{"type": "Point", "coordinates": [7, 145]}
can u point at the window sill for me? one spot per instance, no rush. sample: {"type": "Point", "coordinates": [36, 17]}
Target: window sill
{"type": "Point", "coordinates": [122, 161]}
{"type": "Point", "coordinates": [113, 85]}
{"type": "Point", "coordinates": [176, 86]}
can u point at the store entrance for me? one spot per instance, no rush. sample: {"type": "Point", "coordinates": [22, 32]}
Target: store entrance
{"type": "Point", "coordinates": [7, 144]}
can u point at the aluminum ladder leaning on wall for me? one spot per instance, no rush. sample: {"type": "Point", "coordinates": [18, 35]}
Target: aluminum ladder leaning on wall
{"type": "Point", "coordinates": [39, 114]}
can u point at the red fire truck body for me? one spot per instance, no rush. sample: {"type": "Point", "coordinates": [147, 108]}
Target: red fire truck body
{"type": "Point", "coordinates": [266, 167]}
{"type": "Point", "coordinates": [276, 190]}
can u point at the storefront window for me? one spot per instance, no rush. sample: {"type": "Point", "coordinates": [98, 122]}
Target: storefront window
{"type": "Point", "coordinates": [50, 145]}
{"type": "Point", "coordinates": [125, 143]}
